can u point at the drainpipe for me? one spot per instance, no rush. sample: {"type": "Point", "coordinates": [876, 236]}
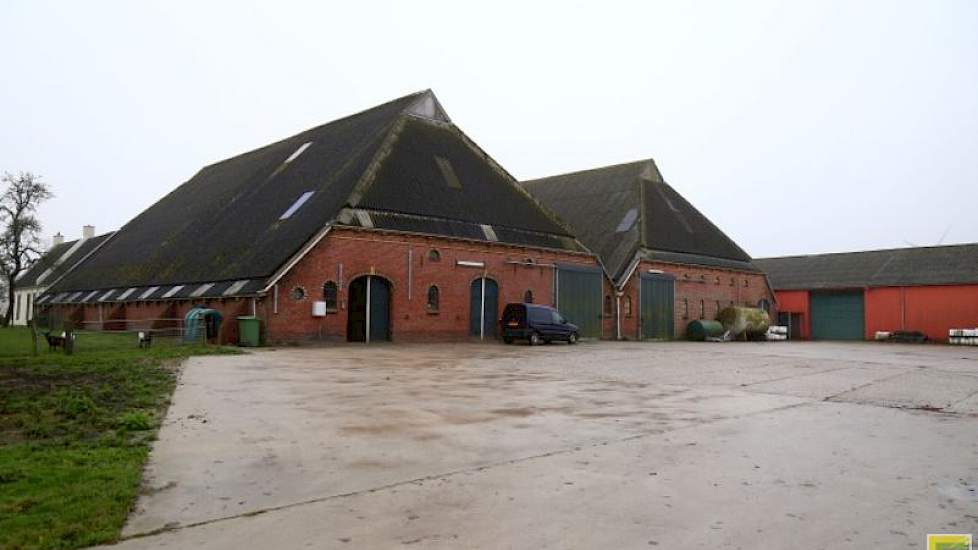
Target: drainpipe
{"type": "Point", "coordinates": [366, 338]}
{"type": "Point", "coordinates": [482, 310]}
{"type": "Point", "coordinates": [617, 316]}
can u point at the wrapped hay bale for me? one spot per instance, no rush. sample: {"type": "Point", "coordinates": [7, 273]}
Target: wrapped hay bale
{"type": "Point", "coordinates": [702, 330]}
{"type": "Point", "coordinates": [749, 322]}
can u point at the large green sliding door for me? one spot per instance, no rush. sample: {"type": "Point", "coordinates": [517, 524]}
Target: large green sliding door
{"type": "Point", "coordinates": [579, 297]}
{"type": "Point", "coordinates": [657, 298]}
{"type": "Point", "coordinates": [838, 315]}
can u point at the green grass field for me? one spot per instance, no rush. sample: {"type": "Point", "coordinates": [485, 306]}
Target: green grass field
{"type": "Point", "coordinates": [75, 432]}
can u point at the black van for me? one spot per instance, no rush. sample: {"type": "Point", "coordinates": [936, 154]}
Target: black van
{"type": "Point", "coordinates": [536, 323]}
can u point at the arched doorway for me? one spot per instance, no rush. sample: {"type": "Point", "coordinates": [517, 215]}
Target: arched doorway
{"type": "Point", "coordinates": [483, 308]}
{"type": "Point", "coordinates": [369, 313]}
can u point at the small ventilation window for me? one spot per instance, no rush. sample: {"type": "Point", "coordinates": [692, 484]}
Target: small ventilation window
{"type": "Point", "coordinates": [528, 297]}
{"type": "Point", "coordinates": [746, 283]}
{"type": "Point", "coordinates": [685, 308]}
{"type": "Point", "coordinates": [433, 298]}
{"type": "Point", "coordinates": [298, 293]}
{"type": "Point", "coordinates": [702, 309]}
{"type": "Point", "coordinates": [607, 305]}
{"type": "Point", "coordinates": [330, 292]}
{"type": "Point", "coordinates": [434, 255]}
{"type": "Point", "coordinates": [448, 172]}
{"type": "Point", "coordinates": [296, 205]}
{"type": "Point", "coordinates": [628, 306]}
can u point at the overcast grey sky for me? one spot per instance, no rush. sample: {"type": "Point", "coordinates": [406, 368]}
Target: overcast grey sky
{"type": "Point", "coordinates": [797, 127]}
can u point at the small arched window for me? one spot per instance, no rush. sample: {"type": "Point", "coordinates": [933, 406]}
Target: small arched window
{"type": "Point", "coordinates": [628, 306]}
{"type": "Point", "coordinates": [607, 305]}
{"type": "Point", "coordinates": [433, 298]}
{"type": "Point", "coordinates": [330, 295]}
{"type": "Point", "coordinates": [434, 255]}
{"type": "Point", "coordinates": [685, 308]}
{"type": "Point", "coordinates": [528, 297]}
{"type": "Point", "coordinates": [718, 280]}
{"type": "Point", "coordinates": [732, 283]}
{"type": "Point", "coordinates": [702, 309]}
{"type": "Point", "coordinates": [746, 283]}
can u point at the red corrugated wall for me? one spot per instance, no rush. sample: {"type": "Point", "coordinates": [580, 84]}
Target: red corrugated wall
{"type": "Point", "coordinates": [795, 301]}
{"type": "Point", "coordinates": [932, 310]}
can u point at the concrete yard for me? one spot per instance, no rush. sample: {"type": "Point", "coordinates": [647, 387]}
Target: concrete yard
{"type": "Point", "coordinates": [600, 445]}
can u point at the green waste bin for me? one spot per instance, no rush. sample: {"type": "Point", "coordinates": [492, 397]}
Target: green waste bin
{"type": "Point", "coordinates": [249, 331]}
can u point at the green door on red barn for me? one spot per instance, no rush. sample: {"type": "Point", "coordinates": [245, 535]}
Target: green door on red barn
{"type": "Point", "coordinates": [838, 315]}
{"type": "Point", "coordinates": [483, 313]}
{"type": "Point", "coordinates": [657, 303]}
{"type": "Point", "coordinates": [579, 297]}
{"type": "Point", "coordinates": [369, 310]}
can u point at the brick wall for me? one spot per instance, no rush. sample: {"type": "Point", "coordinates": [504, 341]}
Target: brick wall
{"type": "Point", "coordinates": [346, 254]}
{"type": "Point", "coordinates": [694, 284]}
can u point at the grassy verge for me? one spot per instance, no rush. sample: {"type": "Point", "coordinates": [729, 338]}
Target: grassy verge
{"type": "Point", "coordinates": [75, 432]}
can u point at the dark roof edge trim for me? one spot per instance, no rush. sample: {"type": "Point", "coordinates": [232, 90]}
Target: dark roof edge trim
{"type": "Point", "coordinates": [583, 252]}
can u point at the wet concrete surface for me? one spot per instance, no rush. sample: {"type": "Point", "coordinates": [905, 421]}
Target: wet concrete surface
{"type": "Point", "coordinates": [600, 445]}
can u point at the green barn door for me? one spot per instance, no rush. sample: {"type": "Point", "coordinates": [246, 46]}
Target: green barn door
{"type": "Point", "coordinates": [579, 292]}
{"type": "Point", "coordinates": [657, 302]}
{"type": "Point", "coordinates": [837, 315]}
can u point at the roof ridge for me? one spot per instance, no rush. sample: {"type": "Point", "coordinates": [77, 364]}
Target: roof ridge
{"type": "Point", "coordinates": [317, 127]}
{"type": "Point", "coordinates": [592, 170]}
{"type": "Point", "coordinates": [871, 251]}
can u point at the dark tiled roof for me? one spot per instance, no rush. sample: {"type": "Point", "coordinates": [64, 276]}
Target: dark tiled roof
{"type": "Point", "coordinates": [620, 210]}
{"type": "Point", "coordinates": [225, 223]}
{"type": "Point", "coordinates": [58, 260]}
{"type": "Point", "coordinates": [932, 265]}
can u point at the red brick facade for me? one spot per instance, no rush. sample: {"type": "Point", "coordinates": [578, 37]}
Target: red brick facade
{"type": "Point", "coordinates": [407, 263]}
{"type": "Point", "coordinates": [700, 293]}
{"type": "Point", "coordinates": [346, 254]}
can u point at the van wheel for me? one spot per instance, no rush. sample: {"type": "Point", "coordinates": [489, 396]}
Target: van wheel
{"type": "Point", "coordinates": [572, 339]}
{"type": "Point", "coordinates": [534, 339]}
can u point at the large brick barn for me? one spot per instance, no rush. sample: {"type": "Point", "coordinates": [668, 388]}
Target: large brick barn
{"type": "Point", "coordinates": [387, 224]}
{"type": "Point", "coordinates": [668, 264]}
{"type": "Point", "coordinates": [852, 295]}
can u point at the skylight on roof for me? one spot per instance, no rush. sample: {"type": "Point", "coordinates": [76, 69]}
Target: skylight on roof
{"type": "Point", "coordinates": [448, 172]}
{"type": "Point", "coordinates": [172, 291]}
{"type": "Point", "coordinates": [236, 287]}
{"type": "Point", "coordinates": [627, 221]}
{"type": "Point", "coordinates": [295, 206]}
{"type": "Point", "coordinates": [126, 294]}
{"type": "Point", "coordinates": [201, 290]}
{"type": "Point", "coordinates": [90, 295]}
{"type": "Point", "coordinates": [489, 232]}
{"type": "Point", "coordinates": [105, 296]}
{"type": "Point", "coordinates": [298, 152]}
{"type": "Point", "coordinates": [148, 292]}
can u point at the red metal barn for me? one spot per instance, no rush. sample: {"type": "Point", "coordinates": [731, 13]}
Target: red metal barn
{"type": "Point", "coordinates": [852, 295]}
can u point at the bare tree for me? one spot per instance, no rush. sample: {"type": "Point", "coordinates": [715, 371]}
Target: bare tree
{"type": "Point", "coordinates": [20, 243]}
